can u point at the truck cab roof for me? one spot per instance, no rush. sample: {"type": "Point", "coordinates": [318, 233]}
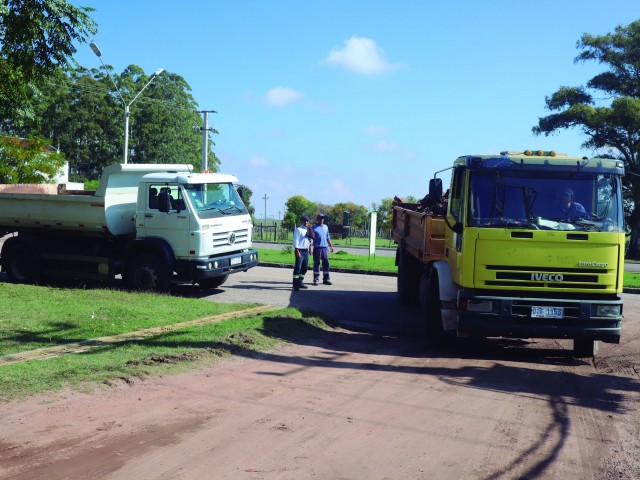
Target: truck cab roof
{"type": "Point", "coordinates": [189, 178]}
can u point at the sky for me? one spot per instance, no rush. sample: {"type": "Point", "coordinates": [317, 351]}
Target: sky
{"type": "Point", "coordinates": [360, 100]}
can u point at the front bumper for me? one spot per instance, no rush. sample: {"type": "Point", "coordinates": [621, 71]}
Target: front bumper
{"type": "Point", "coordinates": [511, 317]}
{"type": "Point", "coordinates": [219, 266]}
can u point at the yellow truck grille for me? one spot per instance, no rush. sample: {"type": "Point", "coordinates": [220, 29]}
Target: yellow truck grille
{"type": "Point", "coordinates": [535, 277]}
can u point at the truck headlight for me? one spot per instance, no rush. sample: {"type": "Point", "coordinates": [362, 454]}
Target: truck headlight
{"type": "Point", "coordinates": [608, 310]}
{"type": "Point", "coordinates": [484, 306]}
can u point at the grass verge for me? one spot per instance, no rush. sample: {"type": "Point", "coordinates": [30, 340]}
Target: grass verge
{"type": "Point", "coordinates": [339, 259]}
{"type": "Point", "coordinates": [631, 280]}
{"type": "Point", "coordinates": [35, 317]}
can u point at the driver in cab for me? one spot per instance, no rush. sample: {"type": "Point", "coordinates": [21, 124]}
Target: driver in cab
{"type": "Point", "coordinates": [571, 210]}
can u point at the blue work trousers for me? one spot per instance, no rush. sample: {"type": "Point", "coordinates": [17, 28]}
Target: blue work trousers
{"type": "Point", "coordinates": [321, 255]}
{"type": "Point", "coordinates": [300, 268]}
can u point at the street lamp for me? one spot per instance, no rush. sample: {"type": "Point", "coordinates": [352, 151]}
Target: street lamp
{"type": "Point", "coordinates": [127, 106]}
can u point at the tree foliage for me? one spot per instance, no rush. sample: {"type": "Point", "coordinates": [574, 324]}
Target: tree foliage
{"type": "Point", "coordinates": [296, 207]}
{"type": "Point", "coordinates": [83, 116]}
{"type": "Point", "coordinates": [28, 161]}
{"type": "Point", "coordinates": [36, 38]}
{"type": "Point", "coordinates": [246, 193]}
{"type": "Point", "coordinates": [607, 110]}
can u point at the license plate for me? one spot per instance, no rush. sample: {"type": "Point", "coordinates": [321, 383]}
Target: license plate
{"type": "Point", "coordinates": [236, 260]}
{"type": "Point", "coordinates": [547, 312]}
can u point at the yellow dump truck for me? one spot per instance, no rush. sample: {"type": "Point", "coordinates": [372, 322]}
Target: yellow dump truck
{"type": "Point", "coordinates": [523, 245]}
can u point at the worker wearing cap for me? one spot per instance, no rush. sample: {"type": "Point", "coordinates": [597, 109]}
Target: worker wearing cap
{"type": "Point", "coordinates": [571, 209]}
{"type": "Point", "coordinates": [321, 246]}
{"type": "Point", "coordinates": [302, 238]}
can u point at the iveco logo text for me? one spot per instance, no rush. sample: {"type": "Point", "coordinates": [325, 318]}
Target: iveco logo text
{"type": "Point", "coordinates": [593, 264]}
{"type": "Point", "coordinates": [547, 277]}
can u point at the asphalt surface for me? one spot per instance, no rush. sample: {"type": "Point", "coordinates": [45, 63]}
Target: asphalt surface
{"type": "Point", "coordinates": [367, 295]}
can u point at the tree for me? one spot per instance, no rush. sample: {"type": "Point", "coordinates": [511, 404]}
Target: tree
{"type": "Point", "coordinates": [296, 207]}
{"type": "Point", "coordinates": [37, 37]}
{"type": "Point", "coordinates": [358, 214]}
{"type": "Point", "coordinates": [611, 125]}
{"type": "Point", "coordinates": [80, 112]}
{"type": "Point", "coordinates": [246, 193]}
{"type": "Point", "coordinates": [385, 214]}
{"type": "Point", "coordinates": [28, 161]}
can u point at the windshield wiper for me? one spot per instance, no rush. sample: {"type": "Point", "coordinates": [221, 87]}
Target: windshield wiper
{"type": "Point", "coordinates": [233, 206]}
{"type": "Point", "coordinates": [511, 224]}
{"type": "Point", "coordinates": [213, 208]}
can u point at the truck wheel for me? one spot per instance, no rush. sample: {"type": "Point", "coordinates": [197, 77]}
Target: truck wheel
{"type": "Point", "coordinates": [408, 280]}
{"type": "Point", "coordinates": [583, 348]}
{"type": "Point", "coordinates": [432, 308]}
{"type": "Point", "coordinates": [147, 273]}
{"type": "Point", "coordinates": [20, 265]}
{"type": "Point", "coordinates": [214, 282]}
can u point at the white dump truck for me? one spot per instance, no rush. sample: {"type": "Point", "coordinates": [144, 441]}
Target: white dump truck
{"type": "Point", "coordinates": [152, 224]}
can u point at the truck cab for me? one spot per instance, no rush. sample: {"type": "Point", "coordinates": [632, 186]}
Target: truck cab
{"type": "Point", "coordinates": [533, 248]}
{"type": "Point", "coordinates": [205, 206]}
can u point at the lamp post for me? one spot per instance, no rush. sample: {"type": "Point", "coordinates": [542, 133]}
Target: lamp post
{"type": "Point", "coordinates": [127, 106]}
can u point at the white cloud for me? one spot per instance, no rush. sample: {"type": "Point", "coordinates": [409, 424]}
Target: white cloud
{"type": "Point", "coordinates": [376, 130]}
{"type": "Point", "coordinates": [385, 146]}
{"type": "Point", "coordinates": [360, 55]}
{"type": "Point", "coordinates": [258, 162]}
{"type": "Point", "coordinates": [281, 96]}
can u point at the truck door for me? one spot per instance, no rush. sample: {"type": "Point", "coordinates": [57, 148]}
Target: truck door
{"type": "Point", "coordinates": [457, 202]}
{"type": "Point", "coordinates": [172, 225]}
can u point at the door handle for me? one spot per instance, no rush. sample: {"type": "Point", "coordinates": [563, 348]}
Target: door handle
{"type": "Point", "coordinates": [148, 215]}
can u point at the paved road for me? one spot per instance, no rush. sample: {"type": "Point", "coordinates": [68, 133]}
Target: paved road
{"type": "Point", "coordinates": [367, 295]}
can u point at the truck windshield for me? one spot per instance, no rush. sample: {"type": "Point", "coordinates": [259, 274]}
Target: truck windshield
{"type": "Point", "coordinates": [210, 200]}
{"type": "Point", "coordinates": [544, 201]}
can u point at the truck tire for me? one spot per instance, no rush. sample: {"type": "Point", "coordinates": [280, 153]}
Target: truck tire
{"type": "Point", "coordinates": [20, 264]}
{"type": "Point", "coordinates": [408, 280]}
{"type": "Point", "coordinates": [147, 273]}
{"type": "Point", "coordinates": [215, 282]}
{"type": "Point", "coordinates": [432, 308]}
{"type": "Point", "coordinates": [584, 348]}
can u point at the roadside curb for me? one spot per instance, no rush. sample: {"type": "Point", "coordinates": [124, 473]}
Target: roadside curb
{"type": "Point", "coordinates": [339, 270]}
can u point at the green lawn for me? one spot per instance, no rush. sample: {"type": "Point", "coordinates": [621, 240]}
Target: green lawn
{"type": "Point", "coordinates": [338, 259]}
{"type": "Point", "coordinates": [34, 317]}
{"type": "Point", "coordinates": [632, 280]}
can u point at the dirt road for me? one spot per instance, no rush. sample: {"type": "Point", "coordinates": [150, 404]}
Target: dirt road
{"type": "Point", "coordinates": [363, 402]}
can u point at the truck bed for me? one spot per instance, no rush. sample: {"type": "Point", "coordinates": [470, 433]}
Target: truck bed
{"type": "Point", "coordinates": [60, 212]}
{"type": "Point", "coordinates": [421, 233]}
{"type": "Point", "coordinates": [110, 210]}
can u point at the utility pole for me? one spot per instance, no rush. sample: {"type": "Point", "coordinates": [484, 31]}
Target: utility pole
{"type": "Point", "coordinates": [265, 198]}
{"type": "Point", "coordinates": [205, 138]}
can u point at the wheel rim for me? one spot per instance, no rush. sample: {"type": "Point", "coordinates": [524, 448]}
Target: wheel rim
{"type": "Point", "coordinates": [146, 277]}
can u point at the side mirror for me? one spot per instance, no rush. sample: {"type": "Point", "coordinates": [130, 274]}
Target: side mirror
{"type": "Point", "coordinates": [435, 189]}
{"type": "Point", "coordinates": [164, 203]}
